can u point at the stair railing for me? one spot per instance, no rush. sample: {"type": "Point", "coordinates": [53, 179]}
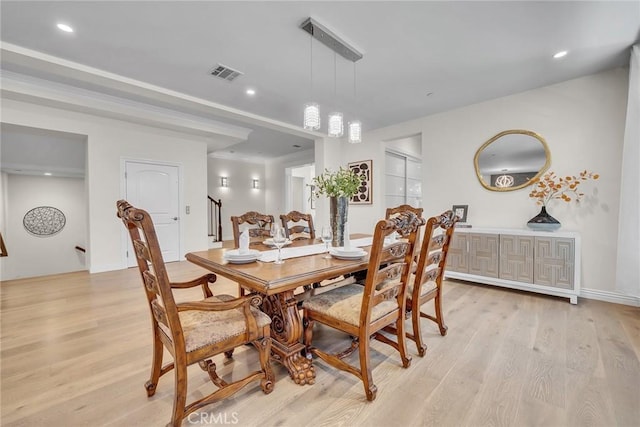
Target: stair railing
{"type": "Point", "coordinates": [215, 219]}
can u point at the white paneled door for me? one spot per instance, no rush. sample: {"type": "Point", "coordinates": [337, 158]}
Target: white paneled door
{"type": "Point", "coordinates": [155, 188]}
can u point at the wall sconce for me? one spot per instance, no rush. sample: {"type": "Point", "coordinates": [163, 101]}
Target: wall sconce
{"type": "Point", "coordinates": [224, 181]}
{"type": "Point", "coordinates": [255, 184]}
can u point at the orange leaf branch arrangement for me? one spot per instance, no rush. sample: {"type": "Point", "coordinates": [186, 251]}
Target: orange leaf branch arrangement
{"type": "Point", "coordinates": [553, 187]}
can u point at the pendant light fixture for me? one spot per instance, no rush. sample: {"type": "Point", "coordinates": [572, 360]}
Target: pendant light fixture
{"type": "Point", "coordinates": [355, 132]}
{"type": "Point", "coordinates": [311, 111]}
{"type": "Point", "coordinates": [504, 180]}
{"type": "Point", "coordinates": [311, 120]}
{"type": "Point", "coordinates": [336, 126]}
{"type": "Point", "coordinates": [355, 127]}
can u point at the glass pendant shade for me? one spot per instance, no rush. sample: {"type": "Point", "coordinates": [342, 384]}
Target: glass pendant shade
{"type": "Point", "coordinates": [336, 127]}
{"type": "Point", "coordinates": [311, 116]}
{"type": "Point", "coordinates": [355, 132]}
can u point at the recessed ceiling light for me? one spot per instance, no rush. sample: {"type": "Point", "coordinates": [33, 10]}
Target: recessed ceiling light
{"type": "Point", "coordinates": [560, 54]}
{"type": "Point", "coordinates": [65, 28]}
{"type": "Point", "coordinates": [251, 92]}
{"type": "Point", "coordinates": [47, 173]}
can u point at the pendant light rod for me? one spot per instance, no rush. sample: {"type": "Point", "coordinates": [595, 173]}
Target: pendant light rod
{"type": "Point", "coordinates": [330, 39]}
{"type": "Point", "coordinates": [311, 113]}
{"type": "Point", "coordinates": [354, 126]}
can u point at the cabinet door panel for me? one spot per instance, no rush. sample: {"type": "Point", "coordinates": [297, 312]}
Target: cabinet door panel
{"type": "Point", "coordinates": [553, 264]}
{"type": "Point", "coordinates": [483, 254]}
{"type": "Point", "coordinates": [516, 258]}
{"type": "Point", "coordinates": [457, 258]}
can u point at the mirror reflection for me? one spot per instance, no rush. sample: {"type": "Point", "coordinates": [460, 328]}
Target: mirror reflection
{"type": "Point", "coordinates": [511, 160]}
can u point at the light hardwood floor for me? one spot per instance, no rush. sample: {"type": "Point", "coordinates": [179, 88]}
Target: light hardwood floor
{"type": "Point", "coordinates": [76, 351]}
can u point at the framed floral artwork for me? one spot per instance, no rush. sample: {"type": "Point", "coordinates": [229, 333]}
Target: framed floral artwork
{"type": "Point", "coordinates": [364, 195]}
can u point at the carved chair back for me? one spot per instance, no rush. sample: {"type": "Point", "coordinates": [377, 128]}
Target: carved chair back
{"type": "Point", "coordinates": [153, 272]}
{"type": "Point", "coordinates": [391, 212]}
{"type": "Point", "coordinates": [259, 226]}
{"type": "Point", "coordinates": [301, 227]}
{"type": "Point", "coordinates": [389, 266]}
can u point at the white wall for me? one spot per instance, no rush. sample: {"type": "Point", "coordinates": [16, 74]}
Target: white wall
{"type": "Point", "coordinates": [332, 154]}
{"type": "Point", "coordinates": [108, 142]}
{"type": "Point", "coordinates": [239, 197]}
{"type": "Point", "coordinates": [411, 145]}
{"type": "Point", "coordinates": [3, 201]}
{"type": "Point", "coordinates": [306, 173]}
{"type": "Point", "coordinates": [277, 188]}
{"type": "Point", "coordinates": [582, 121]}
{"type": "Point", "coordinates": [37, 256]}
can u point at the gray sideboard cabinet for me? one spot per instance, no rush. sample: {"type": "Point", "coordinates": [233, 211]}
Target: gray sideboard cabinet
{"type": "Point", "coordinates": [543, 262]}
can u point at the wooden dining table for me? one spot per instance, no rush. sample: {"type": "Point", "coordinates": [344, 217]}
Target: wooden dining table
{"type": "Point", "coordinates": [277, 284]}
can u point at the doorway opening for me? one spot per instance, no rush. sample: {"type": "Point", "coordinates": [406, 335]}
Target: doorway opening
{"type": "Point", "coordinates": [299, 182]}
{"type": "Point", "coordinates": [45, 214]}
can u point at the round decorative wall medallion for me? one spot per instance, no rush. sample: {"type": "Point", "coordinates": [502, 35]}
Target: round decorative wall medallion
{"type": "Point", "coordinates": [44, 221]}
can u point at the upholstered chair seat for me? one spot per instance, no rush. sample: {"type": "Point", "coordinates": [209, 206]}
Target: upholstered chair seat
{"type": "Point", "coordinates": [204, 328]}
{"type": "Point", "coordinates": [344, 303]}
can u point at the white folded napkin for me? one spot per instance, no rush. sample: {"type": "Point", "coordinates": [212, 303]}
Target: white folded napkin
{"type": "Point", "coordinates": [243, 246]}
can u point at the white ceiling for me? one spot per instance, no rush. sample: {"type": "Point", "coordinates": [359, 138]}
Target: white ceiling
{"type": "Point", "coordinates": [420, 58]}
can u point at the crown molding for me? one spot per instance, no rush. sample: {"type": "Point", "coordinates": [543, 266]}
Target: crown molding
{"type": "Point", "coordinates": [20, 87]}
{"type": "Point", "coordinates": [39, 170]}
{"type": "Point", "coordinates": [50, 65]}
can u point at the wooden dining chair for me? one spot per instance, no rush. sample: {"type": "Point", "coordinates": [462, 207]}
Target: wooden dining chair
{"type": "Point", "coordinates": [298, 226]}
{"type": "Point", "coordinates": [259, 226]}
{"type": "Point", "coordinates": [426, 283]}
{"type": "Point", "coordinates": [194, 332]}
{"type": "Point", "coordinates": [363, 311]}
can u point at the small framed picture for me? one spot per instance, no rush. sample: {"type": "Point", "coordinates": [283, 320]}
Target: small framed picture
{"type": "Point", "coordinates": [461, 212]}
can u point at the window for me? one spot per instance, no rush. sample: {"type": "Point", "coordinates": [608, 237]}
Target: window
{"type": "Point", "coordinates": [403, 180]}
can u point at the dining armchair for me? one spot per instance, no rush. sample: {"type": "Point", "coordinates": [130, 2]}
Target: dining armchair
{"type": "Point", "coordinates": [298, 226]}
{"type": "Point", "coordinates": [259, 226]}
{"type": "Point", "coordinates": [194, 332]}
{"type": "Point", "coordinates": [426, 283]}
{"type": "Point", "coordinates": [363, 311]}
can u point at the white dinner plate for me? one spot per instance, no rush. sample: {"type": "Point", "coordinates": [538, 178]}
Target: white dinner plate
{"type": "Point", "coordinates": [269, 242]}
{"type": "Point", "coordinates": [235, 254]}
{"type": "Point", "coordinates": [348, 256]}
{"type": "Point", "coordinates": [353, 251]}
{"type": "Point", "coordinates": [241, 261]}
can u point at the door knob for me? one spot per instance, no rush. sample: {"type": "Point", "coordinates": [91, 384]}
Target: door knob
{"type": "Point", "coordinates": [175, 218]}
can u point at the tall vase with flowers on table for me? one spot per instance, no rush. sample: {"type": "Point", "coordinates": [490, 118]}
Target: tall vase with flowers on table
{"type": "Point", "coordinates": [552, 187]}
{"type": "Point", "coordinates": [339, 186]}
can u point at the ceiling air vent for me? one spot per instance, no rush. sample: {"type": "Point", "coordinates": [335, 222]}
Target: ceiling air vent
{"type": "Point", "coordinates": [225, 73]}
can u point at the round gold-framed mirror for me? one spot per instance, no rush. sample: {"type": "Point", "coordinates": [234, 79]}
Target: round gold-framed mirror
{"type": "Point", "coordinates": [511, 160]}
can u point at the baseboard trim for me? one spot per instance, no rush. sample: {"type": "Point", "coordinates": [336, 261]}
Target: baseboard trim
{"type": "Point", "coordinates": [607, 296]}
